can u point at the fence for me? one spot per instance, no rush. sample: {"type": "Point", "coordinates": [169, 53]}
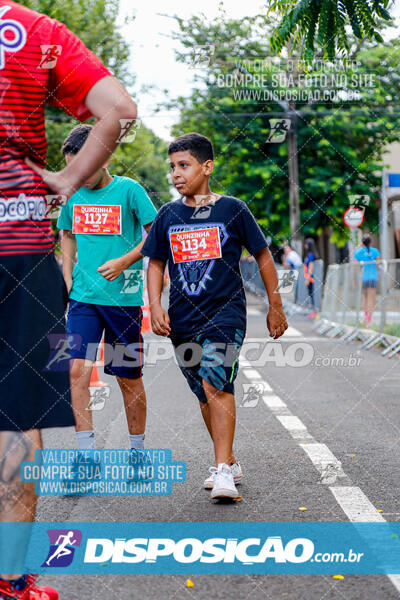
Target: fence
{"type": "Point", "coordinates": [292, 282]}
{"type": "Point", "coordinates": [362, 301]}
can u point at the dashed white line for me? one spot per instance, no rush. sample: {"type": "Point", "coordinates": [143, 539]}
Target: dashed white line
{"type": "Point", "coordinates": [274, 402]}
{"type": "Point", "coordinates": [322, 457]}
{"type": "Point", "coordinates": [351, 499]}
{"type": "Point", "coordinates": [252, 374]}
{"type": "Point", "coordinates": [292, 332]}
{"type": "Point", "coordinates": [356, 505]}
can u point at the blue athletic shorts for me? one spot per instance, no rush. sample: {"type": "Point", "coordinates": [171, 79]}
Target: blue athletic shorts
{"type": "Point", "coordinates": [123, 341]}
{"type": "Point", "coordinates": [212, 355]}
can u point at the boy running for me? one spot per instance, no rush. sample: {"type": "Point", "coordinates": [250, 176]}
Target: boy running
{"type": "Point", "coordinates": [201, 236]}
{"type": "Point", "coordinates": [103, 222]}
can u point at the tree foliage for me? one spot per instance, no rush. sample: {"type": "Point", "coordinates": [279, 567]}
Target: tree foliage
{"type": "Point", "coordinates": [340, 141]}
{"type": "Point", "coordinates": [326, 23]}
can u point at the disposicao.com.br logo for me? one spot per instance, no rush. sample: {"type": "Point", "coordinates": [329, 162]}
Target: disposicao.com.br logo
{"type": "Point", "coordinates": [62, 547]}
{"type": "Point", "coordinates": [213, 550]}
{"type": "Point", "coordinates": [206, 547]}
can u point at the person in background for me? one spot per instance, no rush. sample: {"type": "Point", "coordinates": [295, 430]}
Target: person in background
{"type": "Point", "coordinates": [291, 259]}
{"type": "Point", "coordinates": [370, 255]}
{"type": "Point", "coordinates": [310, 256]}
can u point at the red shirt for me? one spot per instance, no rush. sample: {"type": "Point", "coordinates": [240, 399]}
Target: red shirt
{"type": "Point", "coordinates": [41, 62]}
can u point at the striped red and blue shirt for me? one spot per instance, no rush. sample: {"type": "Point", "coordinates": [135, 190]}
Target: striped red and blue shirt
{"type": "Point", "coordinates": [41, 62]}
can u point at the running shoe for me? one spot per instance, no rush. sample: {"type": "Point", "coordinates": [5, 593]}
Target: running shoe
{"type": "Point", "coordinates": [224, 485]}
{"type": "Point", "coordinates": [30, 592]}
{"type": "Point", "coordinates": [236, 472]}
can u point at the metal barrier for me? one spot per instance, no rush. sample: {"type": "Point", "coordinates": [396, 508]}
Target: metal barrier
{"type": "Point", "coordinates": [292, 283]}
{"type": "Point", "coordinates": [362, 301]}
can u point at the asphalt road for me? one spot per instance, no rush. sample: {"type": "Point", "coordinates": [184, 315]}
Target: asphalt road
{"type": "Point", "coordinates": [324, 412]}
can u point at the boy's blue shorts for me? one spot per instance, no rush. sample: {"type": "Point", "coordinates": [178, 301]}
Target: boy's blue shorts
{"type": "Point", "coordinates": [123, 349]}
{"type": "Point", "coordinates": [212, 355]}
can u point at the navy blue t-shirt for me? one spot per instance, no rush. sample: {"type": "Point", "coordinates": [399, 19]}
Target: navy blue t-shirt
{"type": "Point", "coordinates": [204, 292]}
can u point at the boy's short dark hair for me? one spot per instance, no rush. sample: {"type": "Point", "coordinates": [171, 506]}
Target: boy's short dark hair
{"type": "Point", "coordinates": [75, 139]}
{"type": "Point", "coordinates": [198, 145]}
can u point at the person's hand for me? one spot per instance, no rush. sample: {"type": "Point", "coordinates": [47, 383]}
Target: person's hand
{"type": "Point", "coordinates": [68, 283]}
{"type": "Point", "coordinates": [307, 281]}
{"type": "Point", "coordinates": [112, 269]}
{"type": "Point", "coordinates": [276, 321]}
{"type": "Point", "coordinates": [57, 181]}
{"type": "Point", "coordinates": [160, 321]}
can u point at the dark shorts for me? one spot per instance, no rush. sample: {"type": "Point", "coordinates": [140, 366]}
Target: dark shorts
{"type": "Point", "coordinates": [123, 341]}
{"type": "Point", "coordinates": [212, 355]}
{"type": "Point", "coordinates": [370, 283]}
{"type": "Point", "coordinates": [33, 299]}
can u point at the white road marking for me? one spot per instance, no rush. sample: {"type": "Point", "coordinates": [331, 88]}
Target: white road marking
{"type": "Point", "coordinates": [351, 499]}
{"type": "Point", "coordinates": [292, 332]}
{"type": "Point", "coordinates": [254, 311]}
{"type": "Point", "coordinates": [322, 457]}
{"type": "Point", "coordinates": [251, 374]}
{"type": "Point", "coordinates": [292, 423]}
{"type": "Point", "coordinates": [356, 505]}
{"type": "Point", "coordinates": [296, 428]}
{"type": "Point", "coordinates": [273, 402]}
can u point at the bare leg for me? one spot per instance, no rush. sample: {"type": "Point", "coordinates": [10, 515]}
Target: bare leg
{"type": "Point", "coordinates": [371, 293]}
{"type": "Point", "coordinates": [365, 293]}
{"type": "Point", "coordinates": [17, 498]}
{"type": "Point", "coordinates": [80, 373]}
{"type": "Point", "coordinates": [205, 412]}
{"type": "Point", "coordinates": [222, 420]}
{"type": "Point", "coordinates": [135, 403]}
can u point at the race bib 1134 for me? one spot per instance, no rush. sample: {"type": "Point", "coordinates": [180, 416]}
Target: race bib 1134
{"type": "Point", "coordinates": [195, 244]}
{"type": "Point", "coordinates": [96, 218]}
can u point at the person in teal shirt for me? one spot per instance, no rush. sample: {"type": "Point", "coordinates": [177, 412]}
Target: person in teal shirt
{"type": "Point", "coordinates": [102, 222]}
{"type": "Point", "coordinates": [368, 256]}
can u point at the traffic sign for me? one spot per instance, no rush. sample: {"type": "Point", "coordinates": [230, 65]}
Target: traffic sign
{"type": "Point", "coordinates": [353, 217]}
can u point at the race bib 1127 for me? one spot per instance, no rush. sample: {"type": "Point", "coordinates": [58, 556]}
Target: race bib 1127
{"type": "Point", "coordinates": [96, 218]}
{"type": "Point", "coordinates": [195, 244]}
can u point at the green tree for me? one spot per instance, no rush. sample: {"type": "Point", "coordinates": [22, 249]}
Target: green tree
{"type": "Point", "coordinates": [325, 23]}
{"type": "Point", "coordinates": [145, 160]}
{"type": "Point", "coordinates": [340, 142]}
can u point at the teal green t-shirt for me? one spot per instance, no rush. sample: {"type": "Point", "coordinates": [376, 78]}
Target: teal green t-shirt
{"type": "Point", "coordinates": [121, 207]}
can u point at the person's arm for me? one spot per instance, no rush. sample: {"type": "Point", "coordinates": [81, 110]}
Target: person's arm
{"type": "Point", "coordinates": [276, 319]}
{"type": "Point", "coordinates": [159, 317]}
{"type": "Point", "coordinates": [114, 267]}
{"type": "Point", "coordinates": [68, 251]}
{"type": "Point", "coordinates": [109, 102]}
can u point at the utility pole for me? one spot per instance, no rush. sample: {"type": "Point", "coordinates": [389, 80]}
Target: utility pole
{"type": "Point", "coordinates": [294, 205]}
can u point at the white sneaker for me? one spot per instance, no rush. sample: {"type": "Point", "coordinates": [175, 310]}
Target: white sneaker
{"type": "Point", "coordinates": [224, 486]}
{"type": "Point", "coordinates": [236, 472]}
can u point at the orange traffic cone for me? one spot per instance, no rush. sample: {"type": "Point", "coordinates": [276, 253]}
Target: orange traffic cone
{"type": "Point", "coordinates": [100, 362]}
{"type": "Point", "coordinates": [146, 321]}
{"type": "Point", "coordinates": [95, 380]}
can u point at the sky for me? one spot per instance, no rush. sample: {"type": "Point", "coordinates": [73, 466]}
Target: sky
{"type": "Point", "coordinates": [152, 50]}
